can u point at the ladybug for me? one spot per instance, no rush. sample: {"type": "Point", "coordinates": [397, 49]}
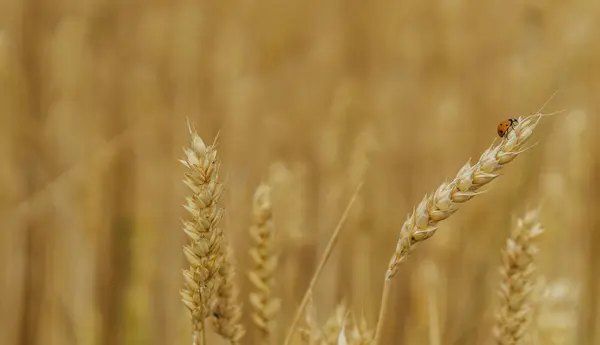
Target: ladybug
{"type": "Point", "coordinates": [505, 126]}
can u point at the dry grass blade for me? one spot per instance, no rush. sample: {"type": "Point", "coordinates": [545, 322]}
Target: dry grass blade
{"type": "Point", "coordinates": [203, 252]}
{"type": "Point", "coordinates": [422, 223]}
{"type": "Point", "coordinates": [324, 258]}
{"type": "Point", "coordinates": [264, 304]}
{"type": "Point", "coordinates": [514, 314]}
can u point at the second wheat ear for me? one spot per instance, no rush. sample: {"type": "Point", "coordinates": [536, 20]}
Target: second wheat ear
{"type": "Point", "coordinates": [422, 223]}
{"type": "Point", "coordinates": [518, 269]}
{"type": "Point", "coordinates": [264, 304]}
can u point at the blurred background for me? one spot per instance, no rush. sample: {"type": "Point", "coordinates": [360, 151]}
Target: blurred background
{"type": "Point", "coordinates": [313, 97]}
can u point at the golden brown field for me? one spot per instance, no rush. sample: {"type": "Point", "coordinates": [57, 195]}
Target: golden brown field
{"type": "Point", "coordinates": [309, 99]}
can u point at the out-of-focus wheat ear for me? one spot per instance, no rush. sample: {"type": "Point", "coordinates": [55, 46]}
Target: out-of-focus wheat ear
{"type": "Point", "coordinates": [339, 329]}
{"type": "Point", "coordinates": [203, 251]}
{"type": "Point", "coordinates": [360, 333]}
{"type": "Point", "coordinates": [438, 206]}
{"type": "Point", "coordinates": [342, 339]}
{"type": "Point", "coordinates": [334, 323]}
{"type": "Point", "coordinates": [518, 281]}
{"type": "Point", "coordinates": [557, 313]}
{"type": "Point", "coordinates": [263, 303]}
{"type": "Point", "coordinates": [311, 335]}
{"type": "Point", "coordinates": [228, 310]}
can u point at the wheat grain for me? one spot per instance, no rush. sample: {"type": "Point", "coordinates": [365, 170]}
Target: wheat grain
{"type": "Point", "coordinates": [514, 314]}
{"type": "Point", "coordinates": [203, 252]}
{"type": "Point", "coordinates": [262, 300]}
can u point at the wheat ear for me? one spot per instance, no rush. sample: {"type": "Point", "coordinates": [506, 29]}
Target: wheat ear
{"type": "Point", "coordinates": [336, 326]}
{"type": "Point", "coordinates": [441, 204]}
{"type": "Point", "coordinates": [514, 314]}
{"type": "Point", "coordinates": [330, 332]}
{"type": "Point", "coordinates": [313, 334]}
{"type": "Point", "coordinates": [360, 333]}
{"type": "Point", "coordinates": [557, 315]}
{"type": "Point", "coordinates": [203, 251]}
{"type": "Point", "coordinates": [265, 262]}
{"type": "Point", "coordinates": [228, 311]}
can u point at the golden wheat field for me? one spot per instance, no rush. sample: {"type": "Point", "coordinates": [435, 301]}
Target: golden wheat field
{"type": "Point", "coordinates": [299, 172]}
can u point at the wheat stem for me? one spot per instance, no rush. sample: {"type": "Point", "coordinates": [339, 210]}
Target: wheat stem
{"type": "Point", "coordinates": [385, 297]}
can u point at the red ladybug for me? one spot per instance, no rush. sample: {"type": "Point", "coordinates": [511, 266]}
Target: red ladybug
{"type": "Point", "coordinates": [505, 126]}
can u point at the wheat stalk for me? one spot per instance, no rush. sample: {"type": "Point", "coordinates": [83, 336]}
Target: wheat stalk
{"type": "Point", "coordinates": [514, 314]}
{"type": "Point", "coordinates": [203, 251]}
{"type": "Point", "coordinates": [265, 263]}
{"type": "Point", "coordinates": [422, 223]}
{"type": "Point", "coordinates": [228, 311]}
